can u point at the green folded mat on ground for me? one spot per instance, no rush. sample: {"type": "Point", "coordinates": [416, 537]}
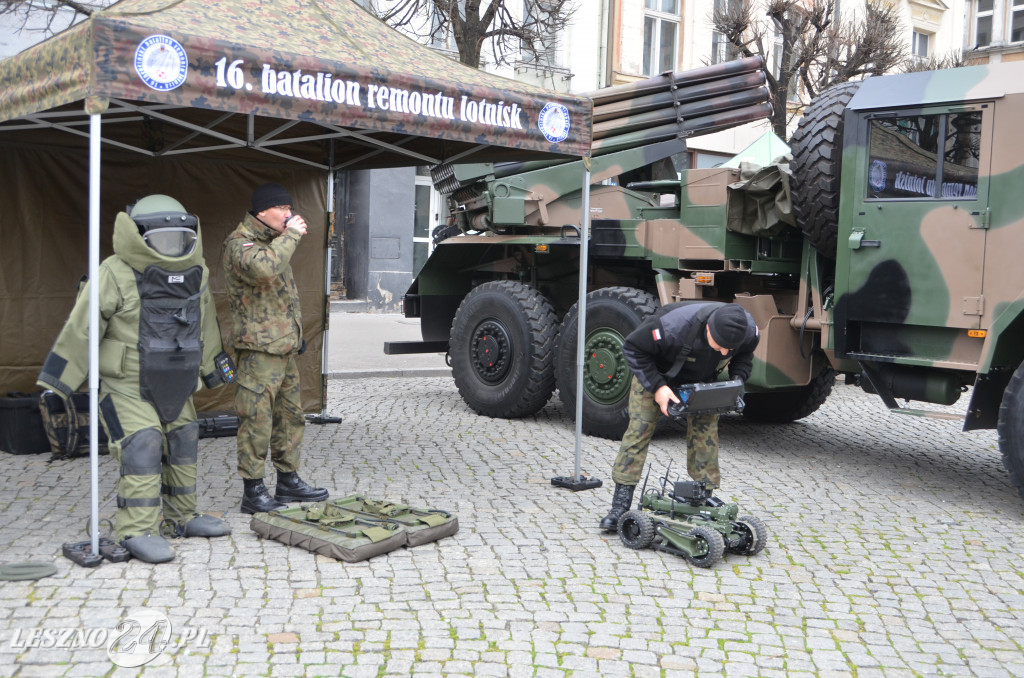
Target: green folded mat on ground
{"type": "Point", "coordinates": [423, 525]}
{"type": "Point", "coordinates": [352, 540]}
{"type": "Point", "coordinates": [354, 528]}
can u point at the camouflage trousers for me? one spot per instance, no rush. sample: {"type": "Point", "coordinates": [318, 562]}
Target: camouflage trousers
{"type": "Point", "coordinates": [701, 441]}
{"type": "Point", "coordinates": [157, 463]}
{"type": "Point", "coordinates": [269, 407]}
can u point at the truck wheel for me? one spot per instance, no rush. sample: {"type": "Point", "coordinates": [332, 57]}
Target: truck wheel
{"type": "Point", "coordinates": [716, 547]}
{"type": "Point", "coordinates": [817, 147]}
{"type": "Point", "coordinates": [1011, 429]}
{"type": "Point", "coordinates": [756, 532]}
{"type": "Point", "coordinates": [502, 348]}
{"type": "Point", "coordinates": [636, 530]}
{"type": "Point", "coordinates": [782, 407]}
{"type": "Point", "coordinates": [612, 313]}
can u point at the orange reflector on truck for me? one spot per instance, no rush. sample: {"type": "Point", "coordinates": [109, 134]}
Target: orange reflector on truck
{"type": "Point", "coordinates": [977, 334]}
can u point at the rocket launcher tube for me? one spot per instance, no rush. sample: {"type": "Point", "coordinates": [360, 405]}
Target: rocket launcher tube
{"type": "Point", "coordinates": [685, 95]}
{"type": "Point", "coordinates": [666, 81]}
{"type": "Point", "coordinates": [696, 125]}
{"type": "Point", "coordinates": [726, 102]}
{"type": "Point", "coordinates": [714, 122]}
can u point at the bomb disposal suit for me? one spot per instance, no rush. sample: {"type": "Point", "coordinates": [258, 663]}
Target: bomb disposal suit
{"type": "Point", "coordinates": [158, 334]}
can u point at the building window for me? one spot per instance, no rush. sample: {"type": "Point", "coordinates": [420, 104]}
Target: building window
{"type": "Point", "coordinates": [983, 23]}
{"type": "Point", "coordinates": [919, 48]}
{"type": "Point", "coordinates": [1017, 22]}
{"type": "Point", "coordinates": [721, 48]}
{"type": "Point", "coordinates": [661, 31]}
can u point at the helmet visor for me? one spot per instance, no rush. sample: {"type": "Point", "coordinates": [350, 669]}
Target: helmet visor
{"type": "Point", "coordinates": [173, 241]}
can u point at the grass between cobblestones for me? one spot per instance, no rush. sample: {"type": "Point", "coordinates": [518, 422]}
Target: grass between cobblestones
{"type": "Point", "coordinates": [893, 551]}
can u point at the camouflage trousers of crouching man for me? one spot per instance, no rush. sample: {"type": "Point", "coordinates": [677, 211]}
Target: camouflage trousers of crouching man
{"type": "Point", "coordinates": [157, 463]}
{"type": "Point", "coordinates": [701, 441]}
{"type": "Point", "coordinates": [269, 406]}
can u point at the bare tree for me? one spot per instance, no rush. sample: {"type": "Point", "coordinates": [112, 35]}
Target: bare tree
{"type": "Point", "coordinates": [808, 48]}
{"type": "Point", "coordinates": [953, 59]}
{"type": "Point", "coordinates": [49, 16]}
{"type": "Point", "coordinates": [472, 23]}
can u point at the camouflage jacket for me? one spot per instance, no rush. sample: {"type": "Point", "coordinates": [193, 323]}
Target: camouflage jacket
{"type": "Point", "coordinates": [261, 288]}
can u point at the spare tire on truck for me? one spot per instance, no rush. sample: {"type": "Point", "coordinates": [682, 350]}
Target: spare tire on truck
{"type": "Point", "coordinates": [817, 146]}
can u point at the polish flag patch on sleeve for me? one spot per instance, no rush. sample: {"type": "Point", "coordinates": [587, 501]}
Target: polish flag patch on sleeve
{"type": "Point", "coordinates": [656, 333]}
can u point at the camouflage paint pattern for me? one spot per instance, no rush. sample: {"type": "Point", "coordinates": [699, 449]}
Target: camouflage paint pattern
{"type": "Point", "coordinates": [268, 404]}
{"type": "Point", "coordinates": [938, 261]}
{"type": "Point", "coordinates": [701, 441]}
{"type": "Point", "coordinates": [261, 288]}
{"type": "Point", "coordinates": [328, 62]}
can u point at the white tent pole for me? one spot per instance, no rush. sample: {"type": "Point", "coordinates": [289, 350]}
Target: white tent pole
{"type": "Point", "coordinates": [94, 326]}
{"type": "Point", "coordinates": [323, 417]}
{"type": "Point", "coordinates": [581, 318]}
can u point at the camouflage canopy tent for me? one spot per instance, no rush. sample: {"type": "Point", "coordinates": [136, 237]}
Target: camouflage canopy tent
{"type": "Point", "coordinates": [205, 99]}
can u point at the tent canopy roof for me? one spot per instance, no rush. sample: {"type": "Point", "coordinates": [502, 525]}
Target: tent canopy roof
{"type": "Point", "coordinates": [286, 77]}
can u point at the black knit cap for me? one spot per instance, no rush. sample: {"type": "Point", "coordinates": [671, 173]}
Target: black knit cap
{"type": "Point", "coordinates": [269, 195]}
{"type": "Point", "coordinates": [729, 326]}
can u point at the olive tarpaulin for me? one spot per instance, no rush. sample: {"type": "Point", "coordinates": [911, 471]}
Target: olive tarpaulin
{"type": "Point", "coordinates": [204, 100]}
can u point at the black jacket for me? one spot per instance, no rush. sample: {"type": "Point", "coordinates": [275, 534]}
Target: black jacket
{"type": "Point", "coordinates": [653, 347]}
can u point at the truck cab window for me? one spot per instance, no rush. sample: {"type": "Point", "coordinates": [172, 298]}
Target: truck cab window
{"type": "Point", "coordinates": [905, 162]}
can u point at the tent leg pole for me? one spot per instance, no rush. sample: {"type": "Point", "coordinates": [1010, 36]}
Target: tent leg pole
{"type": "Point", "coordinates": [323, 417]}
{"type": "Point", "coordinates": [578, 482]}
{"type": "Point", "coordinates": [94, 326]}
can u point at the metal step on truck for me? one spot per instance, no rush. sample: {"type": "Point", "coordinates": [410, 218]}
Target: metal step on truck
{"type": "Point", "coordinates": [886, 250]}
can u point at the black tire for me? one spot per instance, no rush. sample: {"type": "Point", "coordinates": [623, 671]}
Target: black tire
{"type": "Point", "coordinates": [782, 407]}
{"type": "Point", "coordinates": [1011, 429]}
{"type": "Point", "coordinates": [756, 532]}
{"type": "Point", "coordinates": [817, 147]}
{"type": "Point", "coordinates": [612, 313]}
{"type": "Point", "coordinates": [502, 349]}
{"type": "Point", "coordinates": [636, 530]}
{"type": "Point", "coordinates": [715, 543]}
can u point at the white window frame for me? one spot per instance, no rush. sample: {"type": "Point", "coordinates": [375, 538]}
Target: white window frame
{"type": "Point", "coordinates": [918, 40]}
{"type": "Point", "coordinates": [434, 214]}
{"type": "Point", "coordinates": [989, 14]}
{"type": "Point", "coordinates": [1016, 8]}
{"type": "Point", "coordinates": [653, 51]}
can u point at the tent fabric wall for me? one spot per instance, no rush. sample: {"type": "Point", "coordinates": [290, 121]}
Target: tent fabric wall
{"type": "Point", "coordinates": [44, 242]}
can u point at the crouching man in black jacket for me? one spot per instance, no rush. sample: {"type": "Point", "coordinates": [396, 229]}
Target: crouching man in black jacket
{"type": "Point", "coordinates": [682, 343]}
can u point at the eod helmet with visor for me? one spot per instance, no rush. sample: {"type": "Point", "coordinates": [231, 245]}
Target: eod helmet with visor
{"type": "Point", "coordinates": [165, 225]}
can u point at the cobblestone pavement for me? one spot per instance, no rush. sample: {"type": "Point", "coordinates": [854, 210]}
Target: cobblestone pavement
{"type": "Point", "coordinates": [894, 551]}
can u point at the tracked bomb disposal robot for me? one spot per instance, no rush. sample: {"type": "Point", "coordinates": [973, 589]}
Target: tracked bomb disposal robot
{"type": "Point", "coordinates": [687, 520]}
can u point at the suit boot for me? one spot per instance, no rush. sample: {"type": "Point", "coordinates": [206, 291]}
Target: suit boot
{"type": "Point", "coordinates": [621, 500]}
{"type": "Point", "coordinates": [290, 487]}
{"type": "Point", "coordinates": [256, 498]}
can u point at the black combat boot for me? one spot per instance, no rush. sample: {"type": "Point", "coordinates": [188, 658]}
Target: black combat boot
{"type": "Point", "coordinates": [256, 498]}
{"type": "Point", "coordinates": [290, 487]}
{"type": "Point", "coordinates": [621, 500]}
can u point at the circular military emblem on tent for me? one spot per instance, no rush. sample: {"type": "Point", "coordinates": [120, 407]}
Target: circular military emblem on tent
{"type": "Point", "coordinates": [161, 62]}
{"type": "Point", "coordinates": [554, 122]}
{"type": "Point", "coordinates": [877, 174]}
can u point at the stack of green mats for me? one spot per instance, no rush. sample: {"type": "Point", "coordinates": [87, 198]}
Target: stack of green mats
{"type": "Point", "coordinates": [354, 528]}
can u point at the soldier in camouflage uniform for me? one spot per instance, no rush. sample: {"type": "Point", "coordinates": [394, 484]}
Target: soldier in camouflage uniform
{"type": "Point", "coordinates": [158, 334]}
{"type": "Point", "coordinates": [267, 337]}
{"type": "Point", "coordinates": [682, 343]}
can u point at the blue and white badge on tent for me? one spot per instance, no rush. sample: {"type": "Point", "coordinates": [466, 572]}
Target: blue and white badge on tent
{"type": "Point", "coordinates": [554, 122]}
{"type": "Point", "coordinates": [161, 62]}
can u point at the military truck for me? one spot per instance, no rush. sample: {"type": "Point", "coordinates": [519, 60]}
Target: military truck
{"type": "Point", "coordinates": [896, 266]}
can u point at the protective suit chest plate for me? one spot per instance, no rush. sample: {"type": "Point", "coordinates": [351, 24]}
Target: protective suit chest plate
{"type": "Point", "coordinates": [170, 337]}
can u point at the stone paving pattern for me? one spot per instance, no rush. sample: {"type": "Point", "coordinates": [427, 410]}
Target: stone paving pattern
{"type": "Point", "coordinates": [894, 551]}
